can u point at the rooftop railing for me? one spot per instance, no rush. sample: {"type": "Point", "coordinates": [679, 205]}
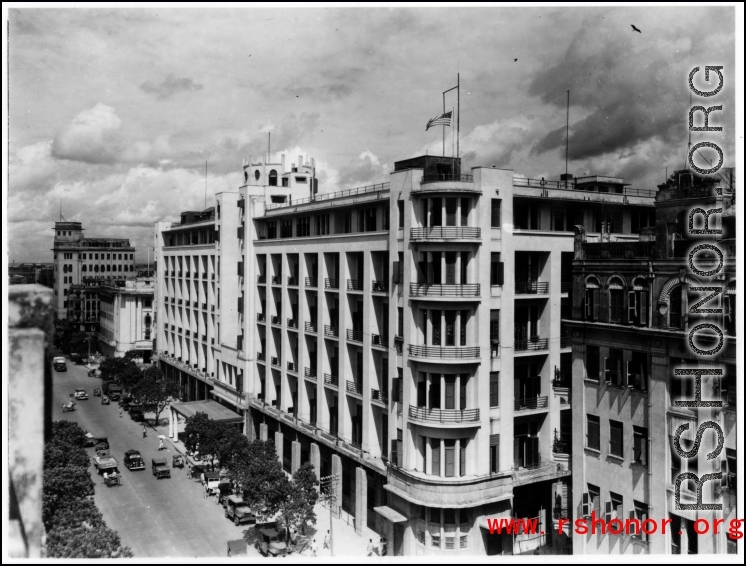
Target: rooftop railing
{"type": "Point", "coordinates": [331, 196]}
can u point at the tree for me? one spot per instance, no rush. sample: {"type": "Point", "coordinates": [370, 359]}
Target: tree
{"type": "Point", "coordinates": [79, 342]}
{"type": "Point", "coordinates": [86, 541]}
{"type": "Point", "coordinates": [132, 355]}
{"type": "Point", "coordinates": [258, 472]}
{"type": "Point", "coordinates": [63, 331]}
{"type": "Point", "coordinates": [197, 427]}
{"type": "Point", "coordinates": [122, 370]}
{"type": "Point", "coordinates": [60, 486]}
{"type": "Point", "coordinates": [155, 393]}
{"type": "Point", "coordinates": [305, 478]}
{"type": "Point", "coordinates": [69, 433]}
{"type": "Point", "coordinates": [60, 455]}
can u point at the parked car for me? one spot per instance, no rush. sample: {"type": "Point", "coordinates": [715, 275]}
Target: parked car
{"type": "Point", "coordinates": [211, 483]}
{"type": "Point", "coordinates": [97, 392]}
{"type": "Point", "coordinates": [225, 489]}
{"type": "Point", "coordinates": [60, 364]}
{"type": "Point", "coordinates": [271, 542]}
{"type": "Point", "coordinates": [160, 467]}
{"type": "Point", "coordinates": [80, 394]}
{"type": "Point", "coordinates": [133, 460]}
{"type": "Point", "coordinates": [136, 413]}
{"type": "Point", "coordinates": [105, 400]}
{"type": "Point", "coordinates": [76, 358]}
{"type": "Point", "coordinates": [238, 511]}
{"type": "Point", "coordinates": [104, 461]}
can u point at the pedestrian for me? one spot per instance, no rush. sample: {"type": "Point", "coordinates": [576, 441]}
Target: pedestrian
{"type": "Point", "coordinates": [160, 445]}
{"type": "Point", "coordinates": [189, 471]}
{"type": "Point", "coordinates": [381, 546]}
{"type": "Point", "coordinates": [144, 431]}
{"type": "Point", "coordinates": [314, 548]}
{"type": "Point", "coordinates": [370, 547]}
{"type": "Point", "coordinates": [327, 539]}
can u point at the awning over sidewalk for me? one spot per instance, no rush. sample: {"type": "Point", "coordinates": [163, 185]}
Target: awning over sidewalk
{"type": "Point", "coordinates": [213, 409]}
{"type": "Point", "coordinates": [390, 514]}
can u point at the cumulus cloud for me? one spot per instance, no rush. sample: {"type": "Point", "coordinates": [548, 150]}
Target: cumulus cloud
{"type": "Point", "coordinates": [93, 136]}
{"type": "Point", "coordinates": [364, 170]}
{"type": "Point", "coordinates": [170, 86]}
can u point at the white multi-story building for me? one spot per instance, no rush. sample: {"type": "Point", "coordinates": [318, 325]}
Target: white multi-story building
{"type": "Point", "coordinates": [126, 317]}
{"type": "Point", "coordinates": [404, 337]}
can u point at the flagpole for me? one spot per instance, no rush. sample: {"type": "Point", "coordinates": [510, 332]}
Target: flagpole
{"type": "Point", "coordinates": [444, 127]}
{"type": "Point", "coordinates": [458, 119]}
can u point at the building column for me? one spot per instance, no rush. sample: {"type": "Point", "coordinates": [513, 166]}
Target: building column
{"type": "Point", "coordinates": [295, 456]}
{"type": "Point", "coordinates": [263, 432]}
{"type": "Point", "coordinates": [337, 472]}
{"type": "Point", "coordinates": [361, 500]}
{"type": "Point", "coordinates": [279, 445]}
{"type": "Point", "coordinates": [316, 459]}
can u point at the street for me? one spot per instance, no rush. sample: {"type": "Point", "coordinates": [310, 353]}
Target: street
{"type": "Point", "coordinates": [167, 517]}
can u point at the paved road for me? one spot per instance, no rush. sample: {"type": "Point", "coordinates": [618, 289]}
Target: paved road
{"type": "Point", "coordinates": [167, 517]}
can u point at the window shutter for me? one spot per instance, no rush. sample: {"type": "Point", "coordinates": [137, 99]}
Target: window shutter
{"type": "Point", "coordinates": [585, 508]}
{"type": "Point", "coordinates": [607, 373]}
{"type": "Point", "coordinates": [435, 468]}
{"type": "Point", "coordinates": [631, 306]}
{"type": "Point", "coordinates": [607, 512]}
{"type": "Point", "coordinates": [500, 273]}
{"type": "Point", "coordinates": [462, 459]}
{"type": "Point", "coordinates": [595, 296]}
{"type": "Point", "coordinates": [494, 391]}
{"type": "Point", "coordinates": [450, 462]}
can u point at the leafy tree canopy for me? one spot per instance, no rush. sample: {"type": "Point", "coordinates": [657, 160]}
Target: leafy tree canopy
{"type": "Point", "coordinates": [68, 432]}
{"type": "Point", "coordinates": [85, 541]}
{"type": "Point", "coordinates": [60, 486]}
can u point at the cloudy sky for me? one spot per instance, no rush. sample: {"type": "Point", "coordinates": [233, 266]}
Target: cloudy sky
{"type": "Point", "coordinates": [112, 114]}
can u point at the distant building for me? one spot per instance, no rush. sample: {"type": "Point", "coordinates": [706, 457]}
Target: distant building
{"type": "Point", "coordinates": [29, 273]}
{"type": "Point", "coordinates": [88, 262]}
{"type": "Point", "coordinates": [29, 404]}
{"type": "Point", "coordinates": [126, 317]}
{"type": "Point", "coordinates": [405, 337]}
{"type": "Point", "coordinates": [630, 321]}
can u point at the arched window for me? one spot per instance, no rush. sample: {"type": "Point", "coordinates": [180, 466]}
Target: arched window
{"type": "Point", "coordinates": [257, 174]}
{"type": "Point", "coordinates": [246, 176]}
{"type": "Point", "coordinates": [616, 299]}
{"type": "Point", "coordinates": [638, 303]}
{"type": "Point", "coordinates": [592, 298]}
{"type": "Point", "coordinates": [273, 178]}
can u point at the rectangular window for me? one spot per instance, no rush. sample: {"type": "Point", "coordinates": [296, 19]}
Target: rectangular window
{"type": "Point", "coordinates": [496, 212]}
{"type": "Point", "coordinates": [616, 439]}
{"type": "Point", "coordinates": [637, 371]}
{"type": "Point", "coordinates": [496, 269]}
{"type": "Point", "coordinates": [592, 362]}
{"type": "Point", "coordinates": [400, 209]}
{"type": "Point", "coordinates": [450, 450]}
{"type": "Point", "coordinates": [637, 516]}
{"type": "Point", "coordinates": [613, 367]}
{"type": "Point", "coordinates": [494, 453]}
{"type": "Point", "coordinates": [594, 499]}
{"type": "Point", "coordinates": [495, 389]}
{"type": "Point", "coordinates": [640, 449]}
{"type": "Point", "coordinates": [462, 458]}
{"type": "Point", "coordinates": [593, 432]}
{"type": "Point", "coordinates": [435, 450]}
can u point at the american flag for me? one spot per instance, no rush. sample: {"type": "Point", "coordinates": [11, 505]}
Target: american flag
{"type": "Point", "coordinates": [442, 120]}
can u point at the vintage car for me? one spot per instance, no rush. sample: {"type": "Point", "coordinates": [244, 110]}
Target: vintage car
{"type": "Point", "coordinates": [225, 489]}
{"type": "Point", "coordinates": [81, 394]}
{"type": "Point", "coordinates": [60, 364]}
{"type": "Point", "coordinates": [97, 392]}
{"type": "Point", "coordinates": [238, 511]}
{"type": "Point", "coordinates": [105, 400]}
{"type": "Point", "coordinates": [112, 477]}
{"type": "Point", "coordinates": [211, 483]}
{"type": "Point", "coordinates": [97, 442]}
{"type": "Point", "coordinates": [76, 358]}
{"type": "Point", "coordinates": [271, 542]}
{"type": "Point", "coordinates": [133, 460]}
{"type": "Point", "coordinates": [104, 461]}
{"type": "Point", "coordinates": [69, 406]}
{"type": "Point", "coordinates": [160, 467]}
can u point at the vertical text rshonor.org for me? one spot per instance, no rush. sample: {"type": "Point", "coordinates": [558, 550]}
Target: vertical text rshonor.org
{"type": "Point", "coordinates": [713, 291]}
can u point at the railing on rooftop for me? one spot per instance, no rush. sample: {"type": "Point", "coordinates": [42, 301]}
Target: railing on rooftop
{"type": "Point", "coordinates": [440, 177]}
{"type": "Point", "coordinates": [330, 196]}
{"type": "Point", "coordinates": [570, 185]}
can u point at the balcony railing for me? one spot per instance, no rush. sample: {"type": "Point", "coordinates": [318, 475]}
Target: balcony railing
{"type": "Point", "coordinates": [261, 279]}
{"type": "Point", "coordinates": [378, 396]}
{"type": "Point", "coordinates": [380, 340]}
{"type": "Point", "coordinates": [355, 335]}
{"type": "Point", "coordinates": [331, 196]}
{"type": "Point", "coordinates": [310, 326]}
{"type": "Point", "coordinates": [311, 282]}
{"type": "Point", "coordinates": [275, 361]}
{"type": "Point", "coordinates": [354, 388]}
{"type": "Point", "coordinates": [292, 367]}
{"type": "Point", "coordinates": [533, 344]}
{"type": "Point", "coordinates": [424, 414]}
{"type": "Point", "coordinates": [443, 352]}
{"type": "Point", "coordinates": [275, 320]}
{"type": "Point", "coordinates": [437, 178]}
{"type": "Point", "coordinates": [562, 379]}
{"type": "Point", "coordinates": [531, 288]}
{"type": "Point", "coordinates": [565, 342]}
{"type": "Point", "coordinates": [260, 317]}
{"type": "Point", "coordinates": [531, 403]}
{"type": "Point", "coordinates": [445, 233]}
{"type": "Point", "coordinates": [277, 280]}
{"type": "Point", "coordinates": [292, 323]}
{"type": "Point", "coordinates": [379, 287]}
{"type": "Point", "coordinates": [354, 284]}
{"type": "Point", "coordinates": [462, 290]}
{"type": "Point", "coordinates": [310, 374]}
{"type": "Point", "coordinates": [331, 284]}
{"type": "Point", "coordinates": [331, 331]}
{"type": "Point", "coordinates": [330, 379]}
{"type": "Point", "coordinates": [293, 281]}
